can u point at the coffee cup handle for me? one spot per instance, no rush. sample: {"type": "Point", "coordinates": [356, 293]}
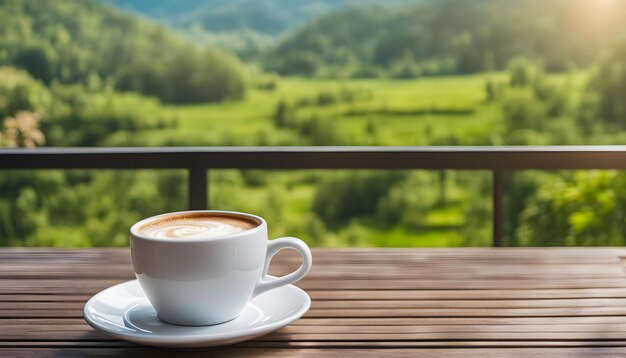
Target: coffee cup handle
{"type": "Point", "coordinates": [273, 246]}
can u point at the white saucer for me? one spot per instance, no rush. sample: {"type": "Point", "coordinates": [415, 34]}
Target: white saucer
{"type": "Point", "coordinates": [123, 312]}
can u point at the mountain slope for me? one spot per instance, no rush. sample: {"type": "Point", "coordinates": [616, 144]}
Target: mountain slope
{"type": "Point", "coordinates": [268, 16]}
{"type": "Point", "coordinates": [450, 36]}
{"type": "Point", "coordinates": [83, 41]}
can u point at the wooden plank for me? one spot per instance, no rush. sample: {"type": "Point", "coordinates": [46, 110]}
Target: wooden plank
{"type": "Point", "coordinates": [612, 280]}
{"type": "Point", "coordinates": [447, 269]}
{"type": "Point", "coordinates": [361, 271]}
{"type": "Point", "coordinates": [75, 286]}
{"type": "Point", "coordinates": [416, 337]}
{"type": "Point", "coordinates": [385, 321]}
{"type": "Point", "coordinates": [453, 284]}
{"type": "Point", "coordinates": [447, 336]}
{"type": "Point", "coordinates": [459, 251]}
{"type": "Point", "coordinates": [432, 321]}
{"type": "Point", "coordinates": [133, 352]}
{"type": "Point", "coordinates": [321, 295]}
{"type": "Point", "coordinates": [433, 344]}
{"type": "Point", "coordinates": [350, 256]}
{"type": "Point", "coordinates": [439, 344]}
{"type": "Point", "coordinates": [367, 263]}
{"type": "Point", "coordinates": [380, 313]}
{"type": "Point", "coordinates": [82, 332]}
{"type": "Point", "coordinates": [55, 286]}
{"type": "Point", "coordinates": [466, 294]}
{"type": "Point", "coordinates": [346, 344]}
{"type": "Point", "coordinates": [44, 298]}
{"type": "Point", "coordinates": [486, 304]}
{"type": "Point", "coordinates": [462, 312]}
{"type": "Point", "coordinates": [597, 329]}
{"type": "Point", "coordinates": [618, 303]}
{"type": "Point", "coordinates": [329, 258]}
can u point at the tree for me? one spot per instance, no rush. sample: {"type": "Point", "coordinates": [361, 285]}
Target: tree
{"type": "Point", "coordinates": [448, 36]}
{"type": "Point", "coordinates": [70, 42]}
{"type": "Point", "coordinates": [609, 81]}
{"type": "Point", "coordinates": [586, 208]}
{"type": "Point", "coordinates": [284, 115]}
{"type": "Point", "coordinates": [349, 195]}
{"type": "Point", "coordinates": [523, 72]}
{"type": "Point", "coordinates": [38, 61]}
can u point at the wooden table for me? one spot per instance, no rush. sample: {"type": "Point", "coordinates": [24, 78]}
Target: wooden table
{"type": "Point", "coordinates": [400, 302]}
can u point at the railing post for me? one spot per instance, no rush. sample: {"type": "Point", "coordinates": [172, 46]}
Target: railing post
{"type": "Point", "coordinates": [498, 207]}
{"type": "Point", "coordinates": [197, 188]}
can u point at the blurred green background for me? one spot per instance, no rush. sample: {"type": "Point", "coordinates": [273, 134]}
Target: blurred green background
{"type": "Point", "coordinates": [86, 73]}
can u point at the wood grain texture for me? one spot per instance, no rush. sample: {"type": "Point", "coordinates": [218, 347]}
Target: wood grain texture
{"type": "Point", "coordinates": [366, 302]}
{"type": "Point", "coordinates": [241, 352]}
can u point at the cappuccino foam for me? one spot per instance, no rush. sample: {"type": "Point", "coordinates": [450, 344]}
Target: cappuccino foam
{"type": "Point", "coordinates": [196, 227]}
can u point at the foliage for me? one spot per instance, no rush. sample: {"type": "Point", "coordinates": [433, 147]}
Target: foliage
{"type": "Point", "coordinates": [578, 209]}
{"type": "Point", "coordinates": [535, 110]}
{"type": "Point", "coordinates": [408, 201]}
{"type": "Point", "coordinates": [609, 81]}
{"type": "Point", "coordinates": [219, 16]}
{"type": "Point", "coordinates": [71, 115]}
{"type": "Point", "coordinates": [549, 209]}
{"type": "Point", "coordinates": [80, 208]}
{"type": "Point", "coordinates": [76, 208]}
{"type": "Point", "coordinates": [19, 91]}
{"type": "Point", "coordinates": [246, 45]}
{"type": "Point", "coordinates": [350, 195]}
{"type": "Point", "coordinates": [284, 115]}
{"type": "Point", "coordinates": [81, 41]}
{"type": "Point", "coordinates": [449, 36]}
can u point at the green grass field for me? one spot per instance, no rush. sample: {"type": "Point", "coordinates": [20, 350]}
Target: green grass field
{"type": "Point", "coordinates": [390, 103]}
{"type": "Point", "coordinates": [405, 112]}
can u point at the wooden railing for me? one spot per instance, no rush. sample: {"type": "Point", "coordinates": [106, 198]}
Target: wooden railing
{"type": "Point", "coordinates": [198, 160]}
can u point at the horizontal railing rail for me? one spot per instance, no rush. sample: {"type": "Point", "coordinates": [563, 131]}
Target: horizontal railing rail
{"type": "Point", "coordinates": [198, 160]}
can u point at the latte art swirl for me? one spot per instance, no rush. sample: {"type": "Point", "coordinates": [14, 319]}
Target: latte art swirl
{"type": "Point", "coordinates": [192, 229]}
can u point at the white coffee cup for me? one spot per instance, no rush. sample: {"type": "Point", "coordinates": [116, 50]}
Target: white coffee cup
{"type": "Point", "coordinates": [206, 281]}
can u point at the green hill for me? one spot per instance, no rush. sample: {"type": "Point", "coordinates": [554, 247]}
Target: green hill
{"type": "Point", "coordinates": [268, 16]}
{"type": "Point", "coordinates": [83, 41]}
{"type": "Point", "coordinates": [449, 36]}
{"type": "Point", "coordinates": [247, 28]}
